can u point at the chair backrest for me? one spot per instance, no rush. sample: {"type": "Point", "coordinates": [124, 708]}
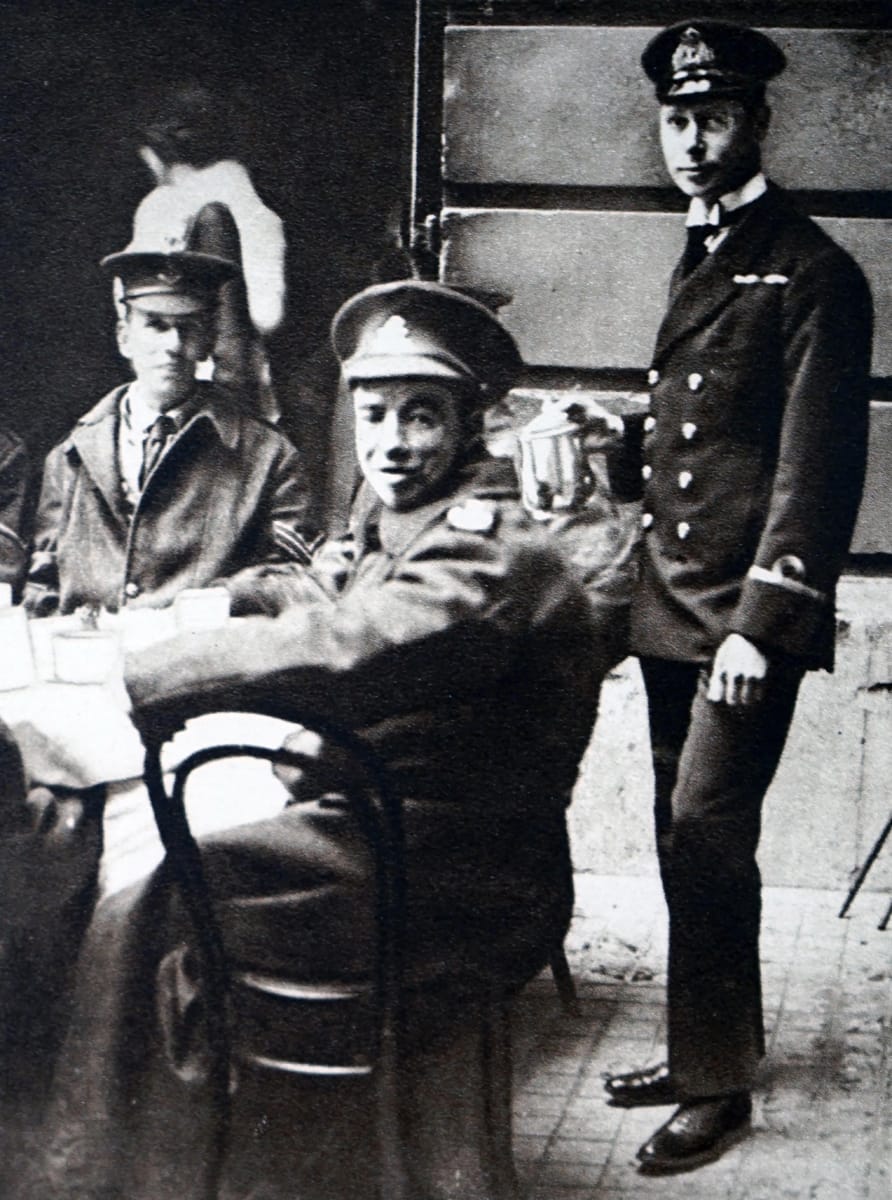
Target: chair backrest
{"type": "Point", "coordinates": [260, 998]}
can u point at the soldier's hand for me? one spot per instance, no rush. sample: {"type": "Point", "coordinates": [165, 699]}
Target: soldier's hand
{"type": "Point", "coordinates": [738, 673]}
{"type": "Point", "coordinates": [599, 427]}
{"type": "Point", "coordinates": [325, 768]}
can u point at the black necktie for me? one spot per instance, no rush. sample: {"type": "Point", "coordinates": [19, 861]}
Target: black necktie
{"type": "Point", "coordinates": [161, 431]}
{"type": "Point", "coordinates": [695, 248]}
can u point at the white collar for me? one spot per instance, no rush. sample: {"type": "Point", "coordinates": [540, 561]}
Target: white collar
{"type": "Point", "coordinates": [700, 214]}
{"type": "Point", "coordinates": [139, 416]}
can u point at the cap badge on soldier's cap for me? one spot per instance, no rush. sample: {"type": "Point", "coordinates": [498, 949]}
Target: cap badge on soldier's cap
{"type": "Point", "coordinates": [170, 277]}
{"type": "Point", "coordinates": [394, 336]}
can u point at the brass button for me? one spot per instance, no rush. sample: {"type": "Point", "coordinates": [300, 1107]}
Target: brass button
{"type": "Point", "coordinates": [688, 430]}
{"type": "Point", "coordinates": [647, 519]}
{"type": "Point", "coordinates": [685, 479]}
{"type": "Point", "coordinates": [653, 376]}
{"type": "Point", "coordinates": [646, 471]}
{"type": "Point", "coordinates": [649, 424]}
{"type": "Point", "coordinates": [695, 381]}
{"type": "Point", "coordinates": [683, 529]}
{"type": "Point", "coordinates": [131, 589]}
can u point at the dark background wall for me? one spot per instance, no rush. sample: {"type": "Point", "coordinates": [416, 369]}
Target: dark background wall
{"type": "Point", "coordinates": [321, 93]}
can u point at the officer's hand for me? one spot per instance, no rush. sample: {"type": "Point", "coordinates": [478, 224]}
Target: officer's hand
{"type": "Point", "coordinates": [738, 673]}
{"type": "Point", "coordinates": [599, 428]}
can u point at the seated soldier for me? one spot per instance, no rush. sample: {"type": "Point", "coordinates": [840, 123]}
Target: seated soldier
{"type": "Point", "coordinates": [13, 488]}
{"type": "Point", "coordinates": [165, 484]}
{"type": "Point", "coordinates": [448, 634]}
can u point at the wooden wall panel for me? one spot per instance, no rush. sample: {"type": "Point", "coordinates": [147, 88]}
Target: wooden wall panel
{"type": "Point", "coordinates": [559, 105]}
{"type": "Point", "coordinates": [588, 289]}
{"type": "Point", "coordinates": [549, 106]}
{"type": "Point", "coordinates": [873, 533]}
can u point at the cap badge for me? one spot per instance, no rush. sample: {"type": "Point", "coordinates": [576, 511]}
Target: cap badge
{"type": "Point", "coordinates": [474, 516]}
{"type": "Point", "coordinates": [394, 336]}
{"type": "Point", "coordinates": [691, 52]}
{"type": "Point", "coordinates": [170, 277]}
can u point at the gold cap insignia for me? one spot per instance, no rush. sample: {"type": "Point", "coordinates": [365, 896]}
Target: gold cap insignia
{"type": "Point", "coordinates": [691, 52]}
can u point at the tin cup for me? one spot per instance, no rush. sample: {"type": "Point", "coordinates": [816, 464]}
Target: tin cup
{"type": "Point", "coordinates": [201, 608]}
{"type": "Point", "coordinates": [86, 656]}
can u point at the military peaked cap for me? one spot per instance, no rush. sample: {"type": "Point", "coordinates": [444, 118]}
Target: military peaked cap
{"type": "Point", "coordinates": [706, 60]}
{"type": "Point", "coordinates": [411, 328]}
{"type": "Point", "coordinates": [181, 281]}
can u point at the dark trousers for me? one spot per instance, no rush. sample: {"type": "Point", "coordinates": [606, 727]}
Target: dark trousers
{"type": "Point", "coordinates": [712, 767]}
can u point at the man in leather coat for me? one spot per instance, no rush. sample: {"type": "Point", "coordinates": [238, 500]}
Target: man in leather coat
{"type": "Point", "coordinates": [166, 483]}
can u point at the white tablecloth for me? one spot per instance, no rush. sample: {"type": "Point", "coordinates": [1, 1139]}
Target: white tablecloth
{"type": "Point", "coordinates": [78, 735]}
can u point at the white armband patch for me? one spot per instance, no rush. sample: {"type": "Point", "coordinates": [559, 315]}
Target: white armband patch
{"type": "Point", "coordinates": [763, 575]}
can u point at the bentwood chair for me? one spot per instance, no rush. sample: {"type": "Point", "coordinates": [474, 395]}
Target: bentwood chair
{"type": "Point", "coordinates": [467, 1144]}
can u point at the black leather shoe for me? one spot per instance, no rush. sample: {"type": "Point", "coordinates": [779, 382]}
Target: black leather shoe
{"type": "Point", "coordinates": [637, 1089]}
{"type": "Point", "coordinates": [699, 1132]}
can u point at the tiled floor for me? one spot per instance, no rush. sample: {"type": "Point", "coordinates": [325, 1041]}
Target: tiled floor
{"type": "Point", "coordinates": [822, 1126]}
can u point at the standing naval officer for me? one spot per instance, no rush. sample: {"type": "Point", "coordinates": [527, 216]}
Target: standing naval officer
{"type": "Point", "coordinates": [750, 462]}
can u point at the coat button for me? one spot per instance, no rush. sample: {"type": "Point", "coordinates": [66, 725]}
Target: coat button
{"type": "Point", "coordinates": [683, 529]}
{"type": "Point", "coordinates": [131, 589]}
{"type": "Point", "coordinates": [649, 424]}
{"type": "Point", "coordinates": [688, 430]}
{"type": "Point", "coordinates": [653, 376]}
{"type": "Point", "coordinates": [646, 471]}
{"type": "Point", "coordinates": [695, 381]}
{"type": "Point", "coordinates": [647, 519]}
{"type": "Point", "coordinates": [685, 479]}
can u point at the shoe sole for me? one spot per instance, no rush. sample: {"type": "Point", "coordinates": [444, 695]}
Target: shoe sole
{"type": "Point", "coordinates": [643, 1101]}
{"type": "Point", "coordinates": [676, 1166]}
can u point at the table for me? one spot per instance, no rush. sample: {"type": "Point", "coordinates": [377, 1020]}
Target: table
{"type": "Point", "coordinates": [81, 735]}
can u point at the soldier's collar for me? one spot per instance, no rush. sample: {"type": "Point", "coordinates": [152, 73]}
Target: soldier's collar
{"type": "Point", "coordinates": [139, 416]}
{"type": "Point", "coordinates": [481, 478]}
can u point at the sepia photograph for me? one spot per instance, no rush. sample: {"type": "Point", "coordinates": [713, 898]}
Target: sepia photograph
{"type": "Point", "coordinates": [446, 600]}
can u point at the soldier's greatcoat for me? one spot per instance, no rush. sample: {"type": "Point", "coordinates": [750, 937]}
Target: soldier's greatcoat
{"type": "Point", "coordinates": [457, 645]}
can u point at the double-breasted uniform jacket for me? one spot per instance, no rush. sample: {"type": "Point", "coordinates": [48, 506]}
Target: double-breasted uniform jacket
{"type": "Point", "coordinates": [453, 639]}
{"type": "Point", "coordinates": [224, 497]}
{"type": "Point", "coordinates": [752, 456]}
{"type": "Point", "coordinates": [13, 491]}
